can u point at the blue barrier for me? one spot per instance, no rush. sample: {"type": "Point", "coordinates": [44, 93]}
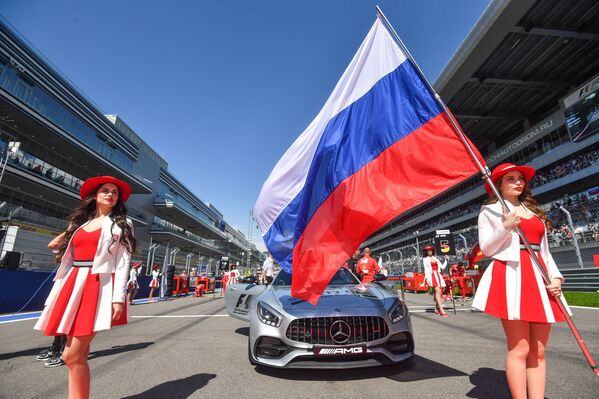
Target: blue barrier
{"type": "Point", "coordinates": [17, 287]}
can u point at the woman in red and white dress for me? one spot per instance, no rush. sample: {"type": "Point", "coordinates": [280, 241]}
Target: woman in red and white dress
{"type": "Point", "coordinates": [433, 277]}
{"type": "Point", "coordinates": [89, 292]}
{"type": "Point", "coordinates": [154, 283]}
{"type": "Point", "coordinates": [511, 288]}
{"type": "Point", "coordinates": [132, 284]}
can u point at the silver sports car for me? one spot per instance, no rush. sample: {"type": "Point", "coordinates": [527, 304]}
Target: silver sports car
{"type": "Point", "coordinates": [353, 324]}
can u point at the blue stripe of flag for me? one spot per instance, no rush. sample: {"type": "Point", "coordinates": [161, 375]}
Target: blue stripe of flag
{"type": "Point", "coordinates": [394, 107]}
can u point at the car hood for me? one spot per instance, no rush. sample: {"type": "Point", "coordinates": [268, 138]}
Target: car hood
{"type": "Point", "coordinates": [354, 296]}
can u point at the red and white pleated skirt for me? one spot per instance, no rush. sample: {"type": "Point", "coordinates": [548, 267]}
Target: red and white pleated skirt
{"type": "Point", "coordinates": [80, 304]}
{"type": "Point", "coordinates": [437, 279]}
{"type": "Point", "coordinates": [154, 283]}
{"type": "Point", "coordinates": [515, 291]}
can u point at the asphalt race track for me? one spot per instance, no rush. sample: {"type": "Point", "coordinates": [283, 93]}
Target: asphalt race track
{"type": "Point", "coordinates": [190, 348]}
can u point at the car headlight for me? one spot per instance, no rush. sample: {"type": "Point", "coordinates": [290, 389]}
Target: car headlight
{"type": "Point", "coordinates": [397, 311]}
{"type": "Point", "coordinates": [268, 315]}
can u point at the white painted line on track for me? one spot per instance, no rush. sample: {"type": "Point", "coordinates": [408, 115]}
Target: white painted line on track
{"type": "Point", "coordinates": [418, 300]}
{"type": "Point", "coordinates": [447, 310]}
{"type": "Point", "coordinates": [458, 307]}
{"type": "Point", "coordinates": [584, 307]}
{"type": "Point", "coordinates": [22, 313]}
{"type": "Point", "coordinates": [179, 316]}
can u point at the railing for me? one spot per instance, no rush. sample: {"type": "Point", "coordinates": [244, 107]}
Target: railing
{"type": "Point", "coordinates": [54, 111]}
{"type": "Point", "coordinates": [188, 207]}
{"type": "Point", "coordinates": [161, 224]}
{"type": "Point", "coordinates": [26, 161]}
{"type": "Point", "coordinates": [36, 218]}
{"type": "Point", "coordinates": [37, 261]}
{"type": "Point", "coordinates": [581, 279]}
{"type": "Point", "coordinates": [232, 238]}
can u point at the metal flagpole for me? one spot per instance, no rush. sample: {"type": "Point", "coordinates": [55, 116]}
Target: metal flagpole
{"type": "Point", "coordinates": [486, 176]}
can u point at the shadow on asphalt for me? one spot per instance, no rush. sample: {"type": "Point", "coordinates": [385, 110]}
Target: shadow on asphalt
{"type": "Point", "coordinates": [26, 352]}
{"type": "Point", "coordinates": [416, 369]}
{"type": "Point", "coordinates": [176, 389]}
{"type": "Point", "coordinates": [245, 331]}
{"type": "Point", "coordinates": [119, 349]}
{"type": "Point", "coordinates": [488, 383]}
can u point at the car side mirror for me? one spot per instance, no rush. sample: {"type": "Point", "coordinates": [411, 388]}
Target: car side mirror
{"type": "Point", "coordinates": [380, 277]}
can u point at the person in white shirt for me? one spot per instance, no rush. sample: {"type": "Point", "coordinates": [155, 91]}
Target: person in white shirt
{"type": "Point", "coordinates": [268, 269]}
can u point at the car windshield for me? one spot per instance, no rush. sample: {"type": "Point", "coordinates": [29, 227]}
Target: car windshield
{"type": "Point", "coordinates": [341, 277]}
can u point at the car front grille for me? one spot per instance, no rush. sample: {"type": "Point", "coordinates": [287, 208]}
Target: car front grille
{"type": "Point", "coordinates": [323, 330]}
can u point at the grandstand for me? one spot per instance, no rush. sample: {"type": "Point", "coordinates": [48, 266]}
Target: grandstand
{"type": "Point", "coordinates": [524, 86]}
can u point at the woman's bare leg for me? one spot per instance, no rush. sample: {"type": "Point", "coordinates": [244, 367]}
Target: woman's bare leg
{"type": "Point", "coordinates": [75, 357]}
{"type": "Point", "coordinates": [517, 333]}
{"type": "Point", "coordinates": [438, 302]}
{"type": "Point", "coordinates": [535, 362]}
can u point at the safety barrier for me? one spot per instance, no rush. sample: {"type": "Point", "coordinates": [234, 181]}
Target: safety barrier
{"type": "Point", "coordinates": [181, 286]}
{"type": "Point", "coordinates": [586, 279]}
{"type": "Point", "coordinates": [414, 282]}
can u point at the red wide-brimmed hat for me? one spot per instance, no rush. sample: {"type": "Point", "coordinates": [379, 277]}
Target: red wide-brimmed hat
{"type": "Point", "coordinates": [136, 264]}
{"type": "Point", "coordinates": [504, 168]}
{"type": "Point", "coordinates": [90, 184]}
{"type": "Point", "coordinates": [428, 247]}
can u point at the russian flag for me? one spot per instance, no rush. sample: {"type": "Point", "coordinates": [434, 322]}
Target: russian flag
{"type": "Point", "coordinates": [380, 146]}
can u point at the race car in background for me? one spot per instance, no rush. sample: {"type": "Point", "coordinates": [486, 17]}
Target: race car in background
{"type": "Point", "coordinates": [353, 324]}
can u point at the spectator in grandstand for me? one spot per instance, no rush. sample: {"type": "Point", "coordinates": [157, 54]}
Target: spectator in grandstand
{"type": "Point", "coordinates": [509, 289]}
{"type": "Point", "coordinates": [367, 267]}
{"type": "Point", "coordinates": [594, 231]}
{"type": "Point", "coordinates": [566, 167]}
{"type": "Point", "coordinates": [432, 276]}
{"type": "Point", "coordinates": [89, 292]}
{"type": "Point", "coordinates": [566, 233]}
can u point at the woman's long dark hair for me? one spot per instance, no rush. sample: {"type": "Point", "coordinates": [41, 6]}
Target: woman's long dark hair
{"type": "Point", "coordinates": [529, 202]}
{"type": "Point", "coordinates": [87, 210]}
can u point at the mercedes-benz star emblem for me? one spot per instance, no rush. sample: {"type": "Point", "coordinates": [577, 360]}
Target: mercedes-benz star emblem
{"type": "Point", "coordinates": [340, 332]}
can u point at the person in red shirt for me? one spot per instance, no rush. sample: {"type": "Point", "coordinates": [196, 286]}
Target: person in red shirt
{"type": "Point", "coordinates": [223, 284]}
{"type": "Point", "coordinates": [367, 267]}
{"type": "Point", "coordinates": [458, 270]}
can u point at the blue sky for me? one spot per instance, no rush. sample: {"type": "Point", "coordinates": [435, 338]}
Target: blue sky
{"type": "Point", "coordinates": [220, 89]}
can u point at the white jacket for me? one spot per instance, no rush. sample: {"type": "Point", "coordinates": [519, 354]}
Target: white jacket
{"type": "Point", "coordinates": [111, 257]}
{"type": "Point", "coordinates": [428, 269]}
{"type": "Point", "coordinates": [498, 243]}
